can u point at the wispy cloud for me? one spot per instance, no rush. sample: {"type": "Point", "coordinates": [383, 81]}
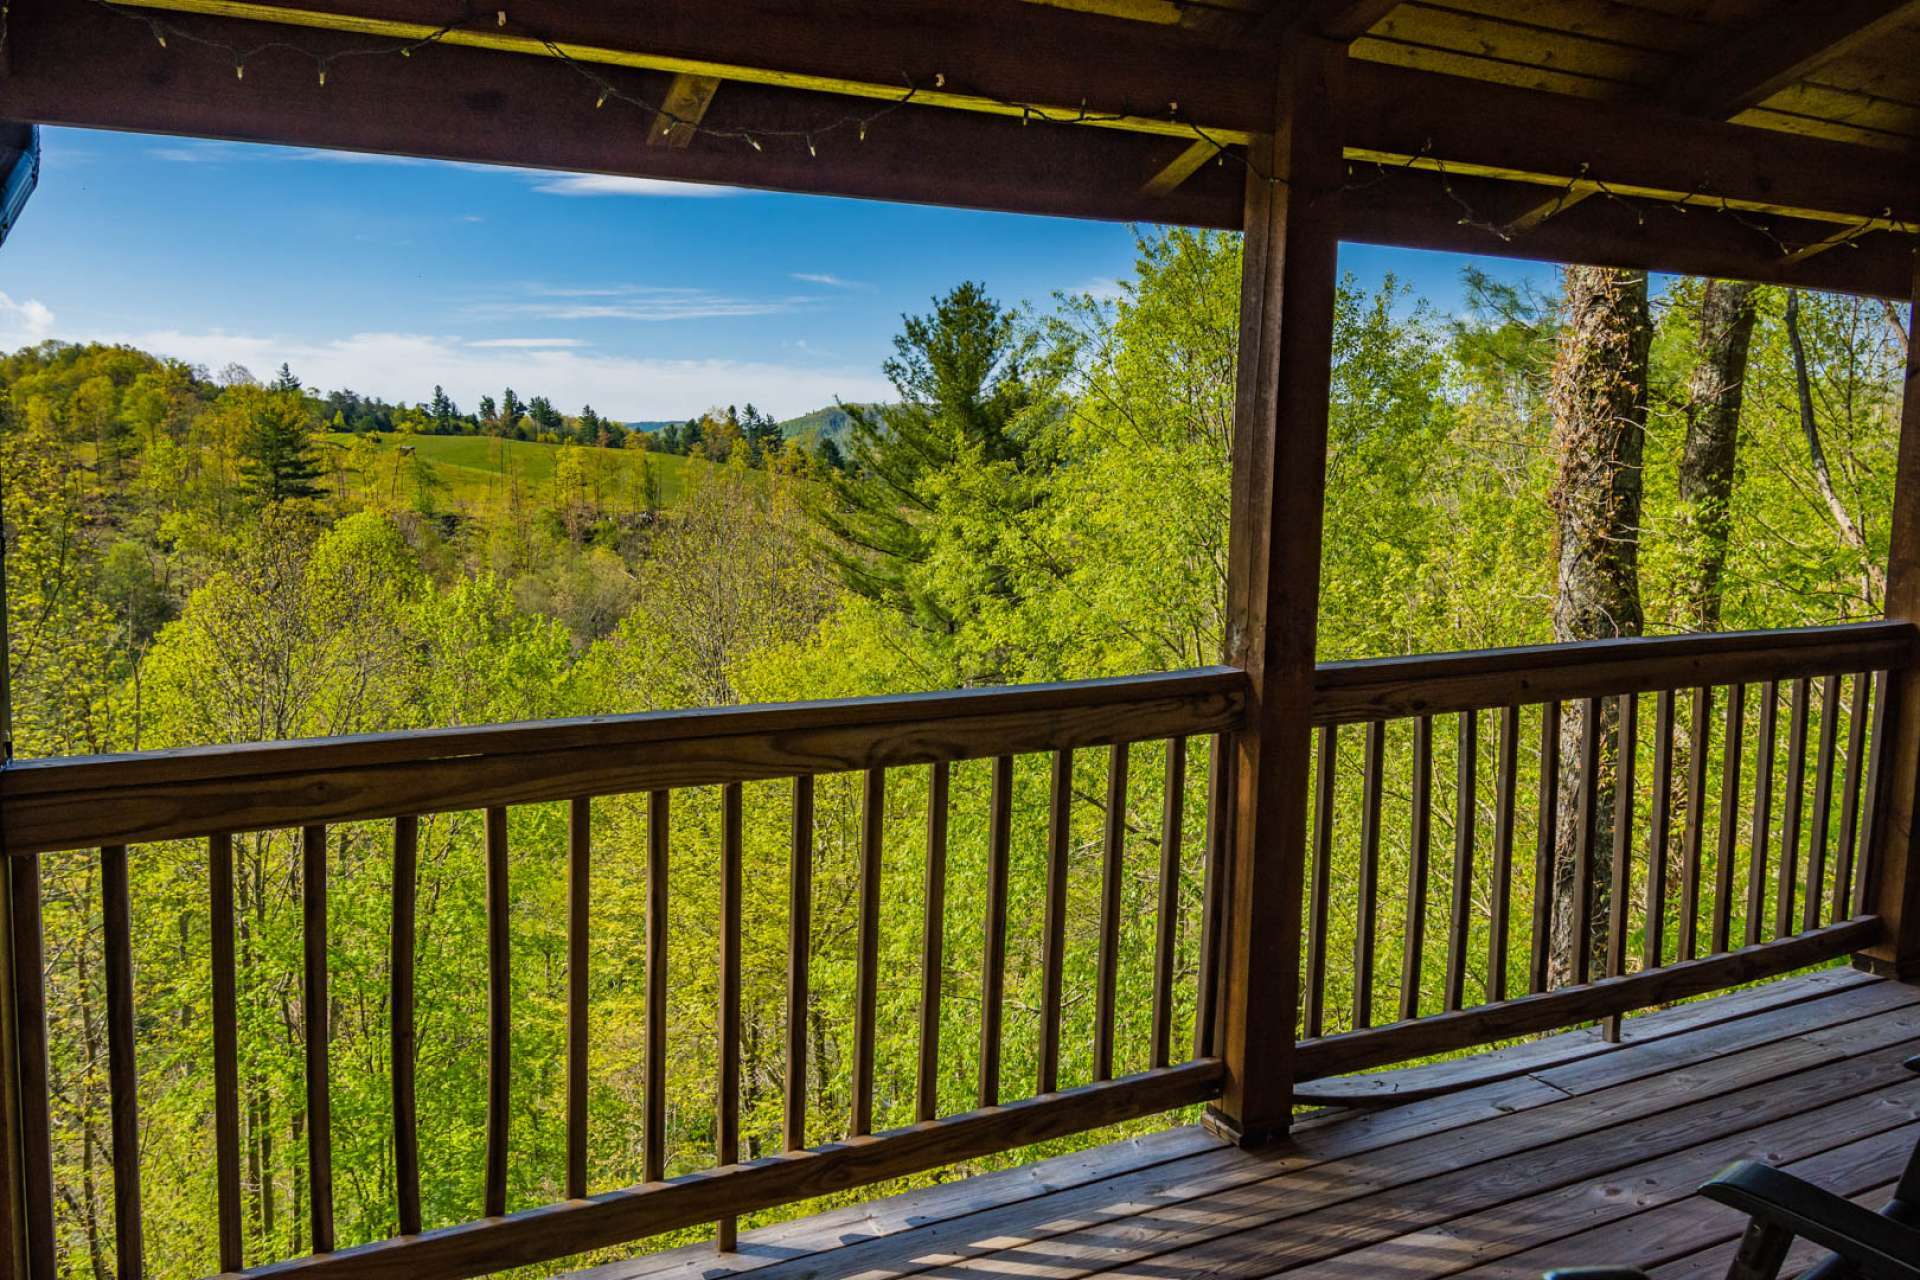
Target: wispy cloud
{"type": "Point", "coordinates": [526, 344]}
{"type": "Point", "coordinates": [602, 184]}
{"type": "Point", "coordinates": [408, 366]}
{"type": "Point", "coordinates": [829, 280]}
{"type": "Point", "coordinates": [650, 303]}
{"type": "Point", "coordinates": [1101, 289]}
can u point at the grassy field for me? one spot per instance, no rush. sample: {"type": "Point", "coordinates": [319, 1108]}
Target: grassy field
{"type": "Point", "coordinates": [478, 472]}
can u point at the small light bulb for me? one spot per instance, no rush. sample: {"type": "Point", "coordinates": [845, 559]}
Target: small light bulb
{"type": "Point", "coordinates": [812, 150]}
{"type": "Point", "coordinates": [323, 77]}
{"type": "Point", "coordinates": [863, 131]}
{"type": "Point", "coordinates": [602, 101]}
{"type": "Point", "coordinates": [939, 80]}
{"type": "Point", "coordinates": [239, 71]}
{"type": "Point", "coordinates": [501, 17]}
{"type": "Point", "coordinates": [406, 53]}
{"type": "Point", "coordinates": [754, 143]}
{"type": "Point", "coordinates": [161, 36]}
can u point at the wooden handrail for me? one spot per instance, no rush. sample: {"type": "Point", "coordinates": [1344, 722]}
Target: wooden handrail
{"type": "Point", "coordinates": [84, 802]}
{"type": "Point", "coordinates": [1390, 688]}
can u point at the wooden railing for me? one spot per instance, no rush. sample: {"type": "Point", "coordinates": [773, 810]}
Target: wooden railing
{"type": "Point", "coordinates": [1713, 853]}
{"type": "Point", "coordinates": [111, 804]}
{"type": "Point", "coordinates": [1721, 870]}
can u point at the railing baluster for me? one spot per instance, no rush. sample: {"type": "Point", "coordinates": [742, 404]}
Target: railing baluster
{"type": "Point", "coordinates": [1762, 809]}
{"type": "Point", "coordinates": [1659, 831]}
{"type": "Point", "coordinates": [313, 1002]}
{"type": "Point", "coordinates": [1583, 840]}
{"type": "Point", "coordinates": [579, 889]}
{"type": "Point", "coordinates": [30, 1001]}
{"type": "Point", "coordinates": [406, 1128]}
{"type": "Point", "coordinates": [1112, 866]}
{"type": "Point", "coordinates": [1729, 817]}
{"type": "Point", "coordinates": [1619, 905]}
{"type": "Point", "coordinates": [1206, 1011]}
{"type": "Point", "coordinates": [799, 939]}
{"type": "Point", "coordinates": [1822, 803]}
{"type": "Point", "coordinates": [1549, 834]}
{"type": "Point", "coordinates": [1316, 982]}
{"type": "Point", "coordinates": [1419, 855]}
{"type": "Point", "coordinates": [727, 1121]}
{"type": "Point", "coordinates": [1054, 924]}
{"type": "Point", "coordinates": [933, 941]}
{"type": "Point", "coordinates": [1850, 799]}
{"type": "Point", "coordinates": [226, 1061]}
{"type": "Point", "coordinates": [1790, 819]}
{"type": "Point", "coordinates": [654, 1133]}
{"type": "Point", "coordinates": [1870, 806]}
{"type": "Point", "coordinates": [1460, 920]}
{"type": "Point", "coordinates": [499, 1012]}
{"type": "Point", "coordinates": [993, 959]}
{"type": "Point", "coordinates": [866, 976]}
{"type": "Point", "coordinates": [1699, 746]}
{"type": "Point", "coordinates": [1367, 910]}
{"type": "Point", "coordinates": [1166, 923]}
{"type": "Point", "coordinates": [123, 1074]}
{"type": "Point", "coordinates": [1499, 923]}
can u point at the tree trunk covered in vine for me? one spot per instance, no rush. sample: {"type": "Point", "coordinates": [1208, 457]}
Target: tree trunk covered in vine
{"type": "Point", "coordinates": [1599, 404]}
{"type": "Point", "coordinates": [1715, 391]}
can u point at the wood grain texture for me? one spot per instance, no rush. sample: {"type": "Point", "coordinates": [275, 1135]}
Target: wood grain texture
{"type": "Point", "coordinates": [317, 1026]}
{"type": "Point", "coordinates": [1399, 687]}
{"type": "Point", "coordinates": [197, 791]}
{"type": "Point", "coordinates": [1523, 1015]}
{"type": "Point", "coordinates": [226, 1060]}
{"type": "Point", "coordinates": [402, 1044]}
{"type": "Point", "coordinates": [499, 1011]}
{"type": "Point", "coordinates": [554, 1231]}
{"type": "Point", "coordinates": [866, 974]}
{"type": "Point", "coordinates": [123, 1072]}
{"type": "Point", "coordinates": [579, 922]}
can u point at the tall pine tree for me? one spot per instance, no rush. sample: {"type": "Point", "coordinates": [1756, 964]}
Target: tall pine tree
{"type": "Point", "coordinates": [277, 461]}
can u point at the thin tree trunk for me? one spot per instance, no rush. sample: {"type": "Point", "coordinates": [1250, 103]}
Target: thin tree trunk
{"type": "Point", "coordinates": [1873, 579]}
{"type": "Point", "coordinates": [1599, 404]}
{"type": "Point", "coordinates": [1708, 461]}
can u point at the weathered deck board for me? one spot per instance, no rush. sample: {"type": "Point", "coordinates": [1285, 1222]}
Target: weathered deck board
{"type": "Point", "coordinates": [1537, 1156]}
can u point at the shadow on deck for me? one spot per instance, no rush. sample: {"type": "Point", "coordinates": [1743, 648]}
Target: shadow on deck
{"type": "Point", "coordinates": [1581, 1152]}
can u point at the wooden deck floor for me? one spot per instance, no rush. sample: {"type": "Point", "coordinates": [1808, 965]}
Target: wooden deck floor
{"type": "Point", "coordinates": [1584, 1153]}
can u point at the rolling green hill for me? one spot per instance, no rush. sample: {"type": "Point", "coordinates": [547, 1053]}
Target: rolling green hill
{"type": "Point", "coordinates": [478, 469]}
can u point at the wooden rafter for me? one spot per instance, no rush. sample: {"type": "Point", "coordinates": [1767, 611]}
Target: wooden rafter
{"type": "Point", "coordinates": [682, 110]}
{"type": "Point", "coordinates": [1785, 47]}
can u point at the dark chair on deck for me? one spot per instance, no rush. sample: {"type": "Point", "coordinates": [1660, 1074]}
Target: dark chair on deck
{"type": "Point", "coordinates": [1781, 1207]}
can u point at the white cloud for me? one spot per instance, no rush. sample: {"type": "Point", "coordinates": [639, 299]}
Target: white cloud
{"type": "Point", "coordinates": [636, 302]}
{"type": "Point", "coordinates": [406, 366]}
{"type": "Point", "coordinates": [603, 184]}
{"type": "Point", "coordinates": [526, 344]}
{"type": "Point", "coordinates": [829, 280]}
{"type": "Point", "coordinates": [1101, 289]}
{"type": "Point", "coordinates": [22, 324]}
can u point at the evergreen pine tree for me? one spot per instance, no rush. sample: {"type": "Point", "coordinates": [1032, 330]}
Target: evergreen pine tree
{"type": "Point", "coordinates": [277, 461]}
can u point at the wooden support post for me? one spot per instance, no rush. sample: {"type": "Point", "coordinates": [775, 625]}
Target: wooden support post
{"type": "Point", "coordinates": [1279, 475]}
{"type": "Point", "coordinates": [1893, 891]}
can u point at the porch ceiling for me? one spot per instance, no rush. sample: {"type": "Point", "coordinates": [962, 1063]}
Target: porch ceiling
{"type": "Point", "coordinates": [1562, 129]}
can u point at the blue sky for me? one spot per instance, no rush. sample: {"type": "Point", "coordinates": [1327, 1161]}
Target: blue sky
{"type": "Point", "coordinates": [647, 300]}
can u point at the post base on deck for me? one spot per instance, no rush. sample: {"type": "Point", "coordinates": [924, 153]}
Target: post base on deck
{"type": "Point", "coordinates": [1221, 1125]}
